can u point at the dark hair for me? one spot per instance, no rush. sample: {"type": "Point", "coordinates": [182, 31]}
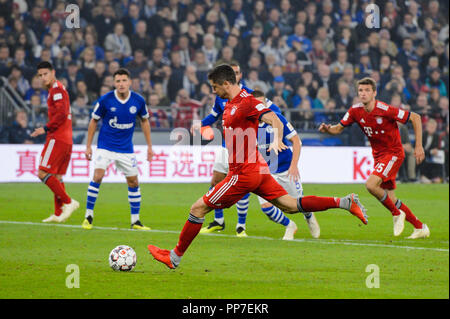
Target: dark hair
{"type": "Point", "coordinates": [258, 93]}
{"type": "Point", "coordinates": [122, 71]}
{"type": "Point", "coordinates": [222, 73]}
{"type": "Point", "coordinates": [44, 65]}
{"type": "Point", "coordinates": [367, 81]}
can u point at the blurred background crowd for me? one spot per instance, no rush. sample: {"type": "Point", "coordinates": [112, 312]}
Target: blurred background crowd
{"type": "Point", "coordinates": [305, 55]}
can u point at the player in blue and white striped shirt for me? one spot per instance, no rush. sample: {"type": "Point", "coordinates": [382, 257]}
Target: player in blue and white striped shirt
{"type": "Point", "coordinates": [118, 110]}
{"type": "Point", "coordinates": [284, 169]}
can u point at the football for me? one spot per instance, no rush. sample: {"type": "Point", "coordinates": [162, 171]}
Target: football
{"type": "Point", "coordinates": [122, 258]}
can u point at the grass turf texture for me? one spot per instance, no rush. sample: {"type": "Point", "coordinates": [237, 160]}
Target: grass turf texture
{"type": "Point", "coordinates": [35, 256]}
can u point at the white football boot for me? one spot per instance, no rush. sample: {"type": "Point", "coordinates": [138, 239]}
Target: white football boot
{"type": "Point", "coordinates": [52, 218]}
{"type": "Point", "coordinates": [68, 209]}
{"type": "Point", "coordinates": [313, 226]}
{"type": "Point", "coordinates": [291, 229]}
{"type": "Point", "coordinates": [399, 223]}
{"type": "Point", "coordinates": [420, 232]}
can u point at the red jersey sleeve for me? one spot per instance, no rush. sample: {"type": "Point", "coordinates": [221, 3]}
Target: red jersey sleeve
{"type": "Point", "coordinates": [398, 114]}
{"type": "Point", "coordinates": [348, 118]}
{"type": "Point", "coordinates": [58, 109]}
{"type": "Point", "coordinates": [255, 108]}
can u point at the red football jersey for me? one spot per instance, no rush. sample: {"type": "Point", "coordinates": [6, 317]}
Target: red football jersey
{"type": "Point", "coordinates": [59, 114]}
{"type": "Point", "coordinates": [240, 121]}
{"type": "Point", "coordinates": [380, 126]}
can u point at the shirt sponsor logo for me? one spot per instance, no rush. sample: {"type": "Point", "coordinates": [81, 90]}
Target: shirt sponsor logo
{"type": "Point", "coordinates": [113, 123]}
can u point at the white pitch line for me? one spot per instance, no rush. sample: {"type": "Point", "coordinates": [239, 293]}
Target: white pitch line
{"type": "Point", "coordinates": [313, 241]}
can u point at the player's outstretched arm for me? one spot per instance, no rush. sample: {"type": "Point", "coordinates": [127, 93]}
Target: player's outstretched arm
{"type": "Point", "coordinates": [331, 129]}
{"type": "Point", "coordinates": [145, 126]}
{"type": "Point", "coordinates": [90, 136]}
{"type": "Point", "coordinates": [416, 121]}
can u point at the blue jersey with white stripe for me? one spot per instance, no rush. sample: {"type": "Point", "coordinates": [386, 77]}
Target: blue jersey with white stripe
{"type": "Point", "coordinates": [119, 120]}
{"type": "Point", "coordinates": [265, 136]}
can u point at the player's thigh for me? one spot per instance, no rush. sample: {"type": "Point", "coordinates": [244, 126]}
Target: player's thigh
{"type": "Point", "coordinates": [127, 164]}
{"type": "Point", "coordinates": [268, 188]}
{"type": "Point", "coordinates": [55, 157]}
{"type": "Point", "coordinates": [286, 203]}
{"type": "Point", "coordinates": [221, 161]}
{"type": "Point", "coordinates": [229, 191]}
{"type": "Point", "coordinates": [102, 159]}
{"type": "Point", "coordinates": [387, 167]}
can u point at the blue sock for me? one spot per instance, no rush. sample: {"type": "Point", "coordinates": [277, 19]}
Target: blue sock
{"type": "Point", "coordinates": [276, 215]}
{"type": "Point", "coordinates": [134, 198]}
{"type": "Point", "coordinates": [92, 194]}
{"type": "Point", "coordinates": [242, 209]}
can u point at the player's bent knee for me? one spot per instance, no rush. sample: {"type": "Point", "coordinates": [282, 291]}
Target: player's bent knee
{"type": "Point", "coordinates": [199, 208]}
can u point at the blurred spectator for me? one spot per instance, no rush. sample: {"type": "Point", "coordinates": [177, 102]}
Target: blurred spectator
{"type": "Point", "coordinates": [302, 94]}
{"type": "Point", "coordinates": [303, 117]}
{"type": "Point", "coordinates": [140, 40]}
{"type": "Point", "coordinates": [430, 171]}
{"type": "Point", "coordinates": [73, 75]}
{"type": "Point", "coordinates": [343, 98]}
{"type": "Point", "coordinates": [39, 110]}
{"type": "Point", "coordinates": [323, 96]}
{"type": "Point", "coordinates": [19, 132]}
{"type": "Point", "coordinates": [279, 88]}
{"type": "Point", "coordinates": [158, 117]}
{"type": "Point", "coordinates": [341, 62]}
{"type": "Point", "coordinates": [36, 88]}
{"type": "Point", "coordinates": [413, 83]}
{"type": "Point", "coordinates": [299, 38]}
{"type": "Point", "coordinates": [191, 82]}
{"type": "Point", "coordinates": [441, 114]}
{"type": "Point", "coordinates": [105, 22]}
{"type": "Point", "coordinates": [22, 83]}
{"type": "Point", "coordinates": [226, 56]}
{"type": "Point", "coordinates": [209, 48]}
{"type": "Point", "coordinates": [90, 42]}
{"type": "Point", "coordinates": [434, 80]}
{"type": "Point", "coordinates": [138, 63]}
{"type": "Point", "coordinates": [184, 109]}
{"type": "Point", "coordinates": [80, 110]}
{"type": "Point", "coordinates": [254, 82]}
{"type": "Point", "coordinates": [118, 42]}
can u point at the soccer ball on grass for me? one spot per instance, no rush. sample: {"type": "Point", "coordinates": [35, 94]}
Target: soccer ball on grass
{"type": "Point", "coordinates": [122, 258]}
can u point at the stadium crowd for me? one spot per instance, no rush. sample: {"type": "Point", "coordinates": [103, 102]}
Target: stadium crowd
{"type": "Point", "coordinates": [306, 55]}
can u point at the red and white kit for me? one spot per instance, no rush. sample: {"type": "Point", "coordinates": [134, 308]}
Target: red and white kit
{"type": "Point", "coordinates": [248, 171]}
{"type": "Point", "coordinates": [55, 156]}
{"type": "Point", "coordinates": [380, 127]}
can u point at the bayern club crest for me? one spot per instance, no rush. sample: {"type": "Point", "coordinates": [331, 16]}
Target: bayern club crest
{"type": "Point", "coordinates": [379, 120]}
{"type": "Point", "coordinates": [133, 109]}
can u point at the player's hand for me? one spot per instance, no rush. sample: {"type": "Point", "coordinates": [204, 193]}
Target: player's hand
{"type": "Point", "coordinates": [419, 154]}
{"type": "Point", "coordinates": [293, 173]}
{"type": "Point", "coordinates": [150, 154]}
{"type": "Point", "coordinates": [37, 132]}
{"type": "Point", "coordinates": [196, 126]}
{"type": "Point", "coordinates": [324, 128]}
{"type": "Point", "coordinates": [88, 153]}
{"type": "Point", "coordinates": [277, 146]}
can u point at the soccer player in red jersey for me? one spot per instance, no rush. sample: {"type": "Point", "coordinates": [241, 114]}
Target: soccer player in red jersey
{"type": "Point", "coordinates": [378, 121]}
{"type": "Point", "coordinates": [248, 171]}
{"type": "Point", "coordinates": [57, 150]}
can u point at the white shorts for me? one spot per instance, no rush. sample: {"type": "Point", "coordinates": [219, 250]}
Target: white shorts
{"type": "Point", "coordinates": [293, 188]}
{"type": "Point", "coordinates": [125, 162]}
{"type": "Point", "coordinates": [221, 161]}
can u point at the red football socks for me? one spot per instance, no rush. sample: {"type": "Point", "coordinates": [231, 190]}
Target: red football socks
{"type": "Point", "coordinates": [57, 188]}
{"type": "Point", "coordinates": [410, 217]}
{"type": "Point", "coordinates": [317, 204]}
{"type": "Point", "coordinates": [58, 202]}
{"type": "Point", "coordinates": [190, 231]}
{"type": "Point", "coordinates": [387, 202]}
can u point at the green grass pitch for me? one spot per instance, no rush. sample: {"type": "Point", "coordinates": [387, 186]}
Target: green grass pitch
{"type": "Point", "coordinates": [35, 255]}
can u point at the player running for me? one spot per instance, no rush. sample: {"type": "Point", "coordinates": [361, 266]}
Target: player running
{"type": "Point", "coordinates": [284, 169]}
{"type": "Point", "coordinates": [118, 110]}
{"type": "Point", "coordinates": [248, 172]}
{"type": "Point", "coordinates": [57, 150]}
{"type": "Point", "coordinates": [378, 121]}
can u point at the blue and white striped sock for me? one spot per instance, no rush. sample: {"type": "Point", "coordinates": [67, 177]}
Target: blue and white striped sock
{"type": "Point", "coordinates": [242, 209]}
{"type": "Point", "coordinates": [134, 198]}
{"type": "Point", "coordinates": [92, 194]}
{"type": "Point", "coordinates": [276, 215]}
